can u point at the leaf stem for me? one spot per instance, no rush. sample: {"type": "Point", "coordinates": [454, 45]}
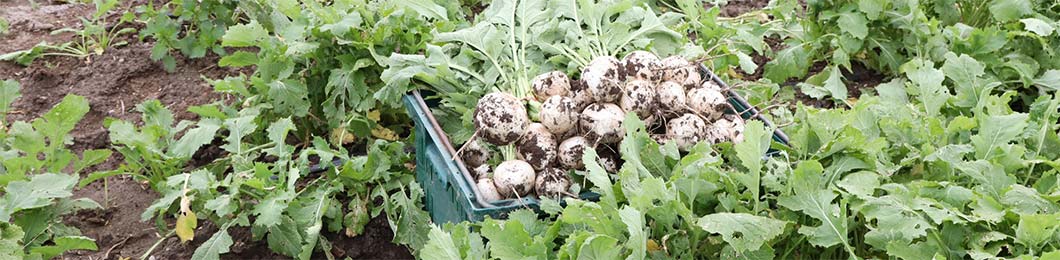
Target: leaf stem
{"type": "Point", "coordinates": [159, 242]}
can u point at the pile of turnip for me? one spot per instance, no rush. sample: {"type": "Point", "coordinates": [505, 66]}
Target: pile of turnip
{"type": "Point", "coordinates": [679, 104]}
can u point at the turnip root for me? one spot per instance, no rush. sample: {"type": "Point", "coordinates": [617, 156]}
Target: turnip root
{"type": "Point", "coordinates": [481, 171]}
{"type": "Point", "coordinates": [671, 97]}
{"type": "Point", "coordinates": [500, 118]}
{"type": "Point", "coordinates": [711, 85]}
{"type": "Point", "coordinates": [537, 147]}
{"type": "Point", "coordinates": [514, 178]}
{"type": "Point", "coordinates": [603, 123]}
{"type": "Point", "coordinates": [686, 131]}
{"type": "Point", "coordinates": [571, 150]}
{"type": "Point", "coordinates": [707, 102]}
{"type": "Point", "coordinates": [559, 114]}
{"type": "Point", "coordinates": [554, 83]}
{"type": "Point", "coordinates": [641, 65]}
{"type": "Point", "coordinates": [487, 190]}
{"type": "Point", "coordinates": [608, 159]}
{"type": "Point", "coordinates": [603, 79]}
{"type": "Point", "coordinates": [579, 94]}
{"type": "Point", "coordinates": [639, 98]}
{"type": "Point", "coordinates": [552, 183]}
{"type": "Point", "coordinates": [679, 70]}
{"type": "Point", "coordinates": [474, 154]}
{"type": "Point", "coordinates": [727, 128]}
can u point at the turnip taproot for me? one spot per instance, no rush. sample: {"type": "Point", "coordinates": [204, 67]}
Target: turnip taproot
{"type": "Point", "coordinates": [571, 150]}
{"type": "Point", "coordinates": [686, 131]}
{"type": "Point", "coordinates": [603, 79]}
{"type": "Point", "coordinates": [552, 183]}
{"type": "Point", "coordinates": [514, 178]}
{"type": "Point", "coordinates": [680, 71]}
{"type": "Point", "coordinates": [602, 123]}
{"type": "Point", "coordinates": [671, 97]}
{"type": "Point", "coordinates": [639, 98]}
{"type": "Point", "coordinates": [559, 114]}
{"type": "Point", "coordinates": [500, 118]}
{"type": "Point", "coordinates": [553, 83]}
{"type": "Point", "coordinates": [709, 103]}
{"type": "Point", "coordinates": [488, 190]}
{"type": "Point", "coordinates": [641, 65]}
{"type": "Point", "coordinates": [537, 147]}
{"type": "Point", "coordinates": [474, 154]}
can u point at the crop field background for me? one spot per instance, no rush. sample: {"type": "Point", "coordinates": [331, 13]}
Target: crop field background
{"type": "Point", "coordinates": [219, 129]}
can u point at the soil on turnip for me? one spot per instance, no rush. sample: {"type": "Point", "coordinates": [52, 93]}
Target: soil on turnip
{"type": "Point", "coordinates": [114, 83]}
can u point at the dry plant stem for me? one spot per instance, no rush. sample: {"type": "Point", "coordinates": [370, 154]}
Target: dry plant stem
{"type": "Point", "coordinates": [159, 242]}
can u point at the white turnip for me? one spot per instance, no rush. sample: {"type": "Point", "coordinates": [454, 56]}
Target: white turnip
{"type": "Point", "coordinates": [481, 171]}
{"type": "Point", "coordinates": [571, 150]}
{"type": "Point", "coordinates": [602, 123]}
{"type": "Point", "coordinates": [579, 94]}
{"type": "Point", "coordinates": [514, 178]}
{"type": "Point", "coordinates": [603, 79]}
{"type": "Point", "coordinates": [608, 158]}
{"type": "Point", "coordinates": [537, 147]}
{"type": "Point", "coordinates": [552, 183]}
{"type": "Point", "coordinates": [639, 98]}
{"type": "Point", "coordinates": [559, 114]}
{"type": "Point", "coordinates": [641, 65]}
{"type": "Point", "coordinates": [728, 128]}
{"type": "Point", "coordinates": [671, 97]}
{"type": "Point", "coordinates": [709, 103]}
{"type": "Point", "coordinates": [679, 70]}
{"type": "Point", "coordinates": [686, 131]}
{"type": "Point", "coordinates": [474, 154]}
{"type": "Point", "coordinates": [554, 83]}
{"type": "Point", "coordinates": [487, 190]}
{"type": "Point", "coordinates": [500, 118]}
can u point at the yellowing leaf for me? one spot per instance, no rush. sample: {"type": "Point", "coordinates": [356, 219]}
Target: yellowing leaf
{"type": "Point", "coordinates": [342, 136]}
{"type": "Point", "coordinates": [373, 115]}
{"type": "Point", "coordinates": [186, 224]}
{"type": "Point", "coordinates": [384, 133]}
{"type": "Point", "coordinates": [653, 246]}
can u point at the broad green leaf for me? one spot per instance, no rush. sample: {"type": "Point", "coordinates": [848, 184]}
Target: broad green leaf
{"type": "Point", "coordinates": [744, 232]}
{"type": "Point", "coordinates": [638, 239]}
{"type": "Point", "coordinates": [284, 238]}
{"type": "Point", "coordinates": [793, 61]}
{"type": "Point", "coordinates": [1035, 229]}
{"type": "Point", "coordinates": [349, 21]}
{"type": "Point", "coordinates": [238, 59]}
{"type": "Point", "coordinates": [1008, 10]}
{"type": "Point", "coordinates": [270, 210]}
{"type": "Point", "coordinates": [995, 132]}
{"type": "Point", "coordinates": [965, 72]}
{"type": "Point", "coordinates": [928, 83]}
{"type": "Point", "coordinates": [212, 249]}
{"type": "Point", "coordinates": [238, 128]}
{"type": "Point", "coordinates": [8, 94]}
{"type": "Point", "coordinates": [861, 184]}
{"type": "Point", "coordinates": [853, 23]}
{"type": "Point", "coordinates": [1050, 80]}
{"type": "Point", "coordinates": [813, 199]}
{"type": "Point", "coordinates": [834, 84]}
{"type": "Point", "coordinates": [440, 246]}
{"type": "Point", "coordinates": [195, 138]}
{"type": "Point", "coordinates": [751, 153]}
{"type": "Point", "coordinates": [600, 179]}
{"type": "Point", "coordinates": [1037, 26]}
{"type": "Point", "coordinates": [872, 8]}
{"type": "Point", "coordinates": [39, 191]}
{"type": "Point", "coordinates": [63, 244]}
{"type": "Point", "coordinates": [244, 35]}
{"type": "Point", "coordinates": [61, 119]}
{"type": "Point", "coordinates": [10, 241]}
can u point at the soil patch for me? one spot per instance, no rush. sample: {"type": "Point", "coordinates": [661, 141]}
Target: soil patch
{"type": "Point", "coordinates": [735, 8]}
{"type": "Point", "coordinates": [114, 83]}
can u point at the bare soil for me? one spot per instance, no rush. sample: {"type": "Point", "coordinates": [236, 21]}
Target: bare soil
{"type": "Point", "coordinates": [114, 83]}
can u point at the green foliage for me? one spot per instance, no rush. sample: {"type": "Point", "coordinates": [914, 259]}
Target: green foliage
{"type": "Point", "coordinates": [206, 22]}
{"type": "Point", "coordinates": [93, 39]}
{"type": "Point", "coordinates": [36, 191]}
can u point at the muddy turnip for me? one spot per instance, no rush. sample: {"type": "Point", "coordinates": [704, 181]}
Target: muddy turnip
{"type": "Point", "coordinates": [639, 98]}
{"type": "Point", "coordinates": [552, 183]}
{"type": "Point", "coordinates": [727, 128]}
{"type": "Point", "coordinates": [537, 147]}
{"type": "Point", "coordinates": [514, 178]}
{"type": "Point", "coordinates": [602, 123]}
{"type": "Point", "coordinates": [559, 114]}
{"type": "Point", "coordinates": [679, 70]}
{"type": "Point", "coordinates": [671, 97]}
{"type": "Point", "coordinates": [500, 118]}
{"type": "Point", "coordinates": [487, 190]}
{"type": "Point", "coordinates": [686, 131]}
{"type": "Point", "coordinates": [474, 154]}
{"type": "Point", "coordinates": [571, 150]}
{"type": "Point", "coordinates": [553, 83]}
{"type": "Point", "coordinates": [603, 79]}
{"type": "Point", "coordinates": [641, 65]}
{"type": "Point", "coordinates": [709, 103]}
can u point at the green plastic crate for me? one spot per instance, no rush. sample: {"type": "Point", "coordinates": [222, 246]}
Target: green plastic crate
{"type": "Point", "coordinates": [451, 194]}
